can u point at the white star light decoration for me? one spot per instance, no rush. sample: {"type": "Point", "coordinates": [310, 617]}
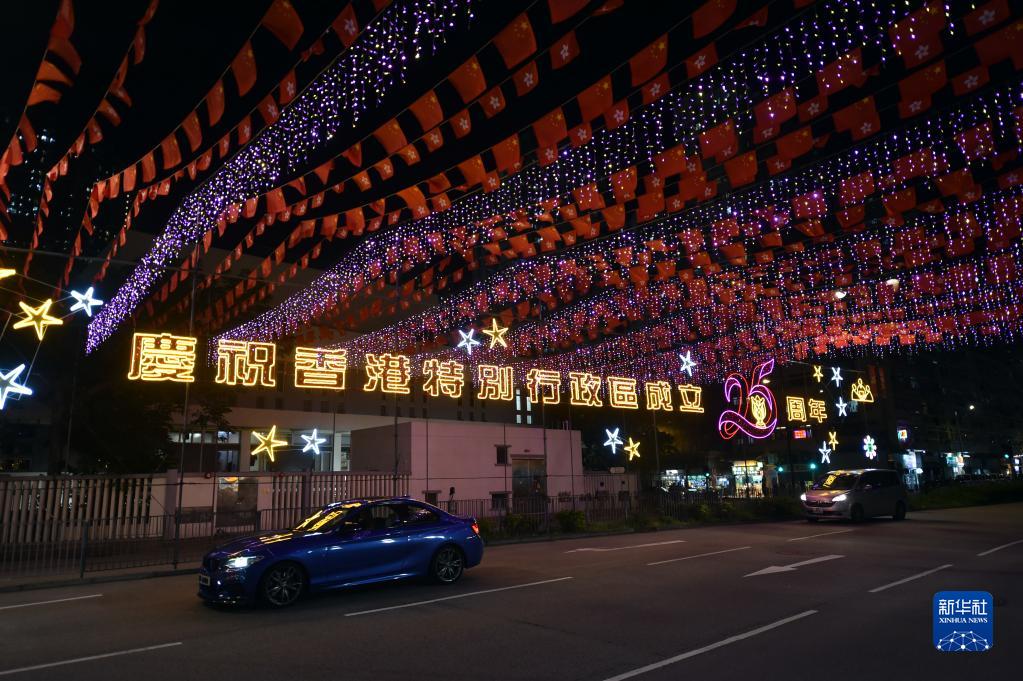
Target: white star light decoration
{"type": "Point", "coordinates": [825, 453]}
{"type": "Point", "coordinates": [869, 447]}
{"type": "Point", "coordinates": [613, 440]}
{"type": "Point", "coordinates": [9, 387]}
{"type": "Point", "coordinates": [688, 363]}
{"type": "Point", "coordinates": [836, 376]}
{"type": "Point", "coordinates": [842, 406]}
{"type": "Point", "coordinates": [468, 342]}
{"type": "Point", "coordinates": [85, 301]}
{"type": "Point", "coordinates": [313, 442]}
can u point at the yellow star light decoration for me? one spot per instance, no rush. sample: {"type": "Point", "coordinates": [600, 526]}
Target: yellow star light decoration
{"type": "Point", "coordinates": [496, 333]}
{"type": "Point", "coordinates": [7, 272]}
{"type": "Point", "coordinates": [37, 317]}
{"type": "Point", "coordinates": [833, 438]}
{"type": "Point", "coordinates": [818, 372]}
{"type": "Point", "coordinates": [632, 449]}
{"type": "Point", "coordinates": [267, 443]}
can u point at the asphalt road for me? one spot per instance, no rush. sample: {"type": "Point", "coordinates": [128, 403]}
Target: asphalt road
{"type": "Point", "coordinates": [657, 606]}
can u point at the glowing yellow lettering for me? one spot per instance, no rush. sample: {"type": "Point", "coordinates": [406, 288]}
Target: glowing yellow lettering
{"type": "Point", "coordinates": [584, 389]}
{"type": "Point", "coordinates": [495, 382]}
{"type": "Point", "coordinates": [796, 408]}
{"type": "Point", "coordinates": [162, 357]}
{"type": "Point", "coordinates": [621, 392]}
{"type": "Point", "coordinates": [658, 396]}
{"type": "Point", "coordinates": [321, 368]}
{"type": "Point", "coordinates": [692, 399]}
{"type": "Point", "coordinates": [443, 378]}
{"type": "Point", "coordinates": [248, 363]}
{"type": "Point", "coordinates": [387, 373]}
{"type": "Point", "coordinates": [817, 410]}
{"type": "Point", "coordinates": [544, 386]}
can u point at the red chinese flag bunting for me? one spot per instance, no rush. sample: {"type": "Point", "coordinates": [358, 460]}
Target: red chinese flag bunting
{"type": "Point", "coordinates": [550, 129]}
{"type": "Point", "coordinates": [719, 141]}
{"type": "Point", "coordinates": [427, 110]}
{"type": "Point", "coordinates": [616, 115]}
{"type": "Point", "coordinates": [346, 26]}
{"type": "Point", "coordinates": [793, 145]}
{"type": "Point", "coordinates": [771, 113]}
{"type": "Point", "coordinates": [564, 51]}
{"type": "Point", "coordinates": [710, 15]}
{"type": "Point", "coordinates": [917, 38]}
{"type": "Point", "coordinates": [701, 61]}
{"type": "Point", "coordinates": [742, 169]}
{"type": "Point", "coordinates": [283, 21]}
{"type": "Point", "coordinates": [516, 41]}
{"type": "Point", "coordinates": [969, 81]}
{"type": "Point", "coordinates": [596, 99]}
{"type": "Point", "coordinates": [860, 119]}
{"type": "Point", "coordinates": [507, 155]}
{"type": "Point", "coordinates": [493, 102]}
{"type": "Point", "coordinates": [192, 130]}
{"type": "Point", "coordinates": [468, 80]}
{"type": "Point", "coordinates": [987, 15]}
{"type": "Point", "coordinates": [169, 152]}
{"type": "Point", "coordinates": [244, 69]}
{"type": "Point", "coordinates": [564, 9]}
{"type": "Point", "coordinates": [650, 61]}
{"type": "Point", "coordinates": [526, 79]}
{"type": "Point", "coordinates": [390, 136]}
{"type": "Point", "coordinates": [845, 71]}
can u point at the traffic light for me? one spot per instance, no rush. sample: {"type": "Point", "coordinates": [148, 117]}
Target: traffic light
{"type": "Point", "coordinates": [781, 469]}
{"type": "Point", "coordinates": [813, 466]}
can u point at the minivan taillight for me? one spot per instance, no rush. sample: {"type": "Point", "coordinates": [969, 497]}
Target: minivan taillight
{"type": "Point", "coordinates": [476, 528]}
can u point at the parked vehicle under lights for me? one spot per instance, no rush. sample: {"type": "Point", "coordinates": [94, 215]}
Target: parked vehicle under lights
{"type": "Point", "coordinates": [344, 544]}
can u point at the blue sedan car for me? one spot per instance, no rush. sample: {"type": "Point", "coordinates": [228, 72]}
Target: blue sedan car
{"type": "Point", "coordinates": [344, 544]}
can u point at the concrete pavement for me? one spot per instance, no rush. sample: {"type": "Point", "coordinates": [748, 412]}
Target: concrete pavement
{"type": "Point", "coordinates": [781, 600]}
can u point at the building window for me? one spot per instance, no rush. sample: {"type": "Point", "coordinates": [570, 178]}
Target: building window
{"type": "Point", "coordinates": [431, 497]}
{"type": "Point", "coordinates": [498, 501]}
{"type": "Point", "coordinates": [502, 453]}
{"type": "Point", "coordinates": [523, 408]}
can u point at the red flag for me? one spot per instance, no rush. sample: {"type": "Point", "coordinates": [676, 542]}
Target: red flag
{"type": "Point", "coordinates": [244, 69]}
{"type": "Point", "coordinates": [756, 20]}
{"type": "Point", "coordinates": [563, 9]}
{"type": "Point", "coordinates": [473, 171]}
{"type": "Point", "coordinates": [564, 51]}
{"type": "Point", "coordinates": [288, 88]}
{"type": "Point", "coordinates": [507, 155]}
{"type": "Point", "coordinates": [771, 113]}
{"type": "Point", "coordinates": [976, 142]}
{"type": "Point", "coordinates": [516, 41]}
{"type": "Point", "coordinates": [461, 123]}
{"type": "Point", "coordinates": [616, 115]}
{"type": "Point", "coordinates": [917, 38]}
{"type": "Point", "coordinates": [987, 15]}
{"type": "Point", "coordinates": [192, 130]}
{"type": "Point", "coordinates": [656, 88]}
{"type": "Point", "coordinates": [915, 91]}
{"type": "Point", "coordinates": [468, 80]}
{"type": "Point", "coordinates": [701, 61]}
{"type": "Point", "coordinates": [391, 136]}
{"type": "Point", "coordinates": [650, 61]}
{"type": "Point", "coordinates": [860, 119]}
{"type": "Point", "coordinates": [493, 102]}
{"type": "Point", "coordinates": [719, 141]}
{"type": "Point", "coordinates": [670, 162]}
{"type": "Point", "coordinates": [845, 71]}
{"type": "Point", "coordinates": [283, 21]}
{"type": "Point", "coordinates": [596, 99]}
{"type": "Point", "coordinates": [969, 81]}
{"type": "Point", "coordinates": [169, 152]}
{"type": "Point", "coordinates": [794, 145]}
{"type": "Point", "coordinates": [1006, 43]}
{"type": "Point", "coordinates": [550, 129]}
{"type": "Point", "coordinates": [346, 26]}
{"type": "Point", "coordinates": [742, 169]}
{"type": "Point", "coordinates": [710, 15]}
{"type": "Point", "coordinates": [526, 79]}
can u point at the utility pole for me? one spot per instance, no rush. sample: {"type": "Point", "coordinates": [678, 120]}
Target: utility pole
{"type": "Point", "coordinates": [184, 439]}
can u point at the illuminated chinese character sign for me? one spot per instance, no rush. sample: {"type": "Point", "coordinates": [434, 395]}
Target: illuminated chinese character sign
{"type": "Point", "coordinates": [756, 413]}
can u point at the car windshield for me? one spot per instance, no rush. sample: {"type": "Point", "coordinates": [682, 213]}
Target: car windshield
{"type": "Point", "coordinates": [835, 481]}
{"type": "Point", "coordinates": [327, 519]}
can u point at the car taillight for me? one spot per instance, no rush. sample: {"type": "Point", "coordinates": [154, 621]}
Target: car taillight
{"type": "Point", "coordinates": [476, 528]}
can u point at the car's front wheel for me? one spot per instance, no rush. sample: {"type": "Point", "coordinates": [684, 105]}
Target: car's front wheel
{"type": "Point", "coordinates": [448, 565]}
{"type": "Point", "coordinates": [282, 584]}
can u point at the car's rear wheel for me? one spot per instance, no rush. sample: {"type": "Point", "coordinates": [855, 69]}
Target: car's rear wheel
{"type": "Point", "coordinates": [448, 565]}
{"type": "Point", "coordinates": [856, 514]}
{"type": "Point", "coordinates": [900, 511]}
{"type": "Point", "coordinates": [282, 584]}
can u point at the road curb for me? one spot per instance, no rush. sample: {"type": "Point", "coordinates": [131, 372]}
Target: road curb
{"type": "Point", "coordinates": [98, 579]}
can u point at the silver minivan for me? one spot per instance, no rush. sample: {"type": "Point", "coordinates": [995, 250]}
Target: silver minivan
{"type": "Point", "coordinates": [855, 495]}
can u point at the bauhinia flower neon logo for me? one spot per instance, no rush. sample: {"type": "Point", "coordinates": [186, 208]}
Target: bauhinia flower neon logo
{"type": "Point", "coordinates": [756, 413]}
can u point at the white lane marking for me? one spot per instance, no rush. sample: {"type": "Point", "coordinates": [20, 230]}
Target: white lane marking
{"type": "Point", "coordinates": [451, 598]}
{"type": "Point", "coordinates": [911, 578]}
{"type": "Point", "coordinates": [633, 546]}
{"type": "Point", "coordinates": [713, 646]}
{"type": "Point", "coordinates": [19, 670]}
{"type": "Point", "coordinates": [792, 566]}
{"type": "Point", "coordinates": [999, 548]}
{"type": "Point", "coordinates": [698, 555]}
{"type": "Point", "coordinates": [822, 534]}
{"type": "Point", "coordinates": [58, 600]}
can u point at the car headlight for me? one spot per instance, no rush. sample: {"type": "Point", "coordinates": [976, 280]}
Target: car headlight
{"type": "Point", "coordinates": [840, 497]}
{"type": "Point", "coordinates": [802, 497]}
{"type": "Point", "coordinates": [241, 562]}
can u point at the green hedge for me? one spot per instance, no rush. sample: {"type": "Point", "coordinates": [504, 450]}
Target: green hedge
{"type": "Point", "coordinates": [977, 494]}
